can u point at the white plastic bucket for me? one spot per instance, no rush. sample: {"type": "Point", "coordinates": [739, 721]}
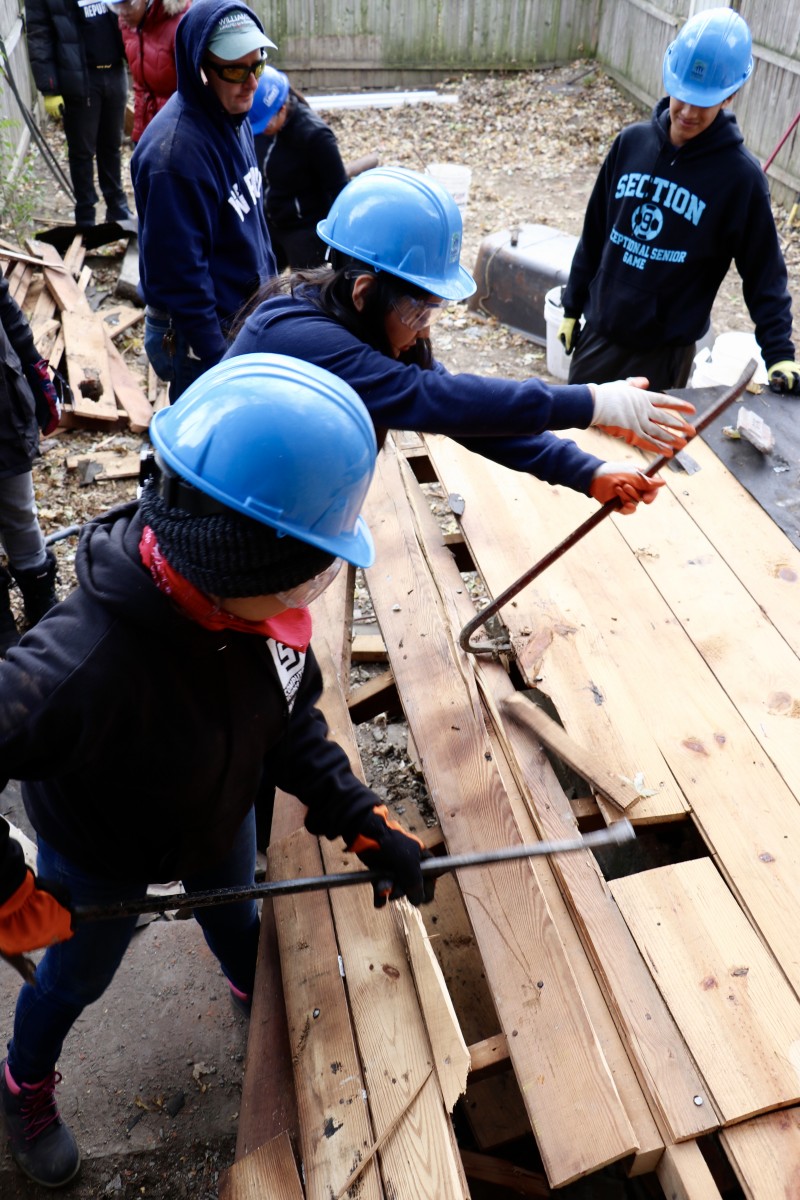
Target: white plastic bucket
{"type": "Point", "coordinates": [453, 177]}
{"type": "Point", "coordinates": [557, 361]}
{"type": "Point", "coordinates": [725, 361]}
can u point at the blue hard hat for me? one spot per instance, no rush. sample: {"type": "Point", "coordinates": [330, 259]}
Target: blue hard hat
{"type": "Point", "coordinates": [269, 98]}
{"type": "Point", "coordinates": [404, 223]}
{"type": "Point", "coordinates": [710, 59]}
{"type": "Point", "coordinates": [281, 441]}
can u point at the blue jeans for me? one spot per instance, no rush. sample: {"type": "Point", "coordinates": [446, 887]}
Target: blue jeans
{"type": "Point", "coordinates": [75, 973]}
{"type": "Point", "coordinates": [178, 367]}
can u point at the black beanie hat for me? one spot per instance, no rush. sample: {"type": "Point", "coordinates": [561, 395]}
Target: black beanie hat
{"type": "Point", "coordinates": [227, 554]}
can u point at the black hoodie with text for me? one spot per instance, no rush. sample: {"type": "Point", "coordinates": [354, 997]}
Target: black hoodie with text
{"type": "Point", "coordinates": [142, 739]}
{"type": "Point", "coordinates": [663, 225]}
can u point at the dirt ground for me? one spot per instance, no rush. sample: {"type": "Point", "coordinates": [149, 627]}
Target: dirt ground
{"type": "Point", "coordinates": [152, 1075]}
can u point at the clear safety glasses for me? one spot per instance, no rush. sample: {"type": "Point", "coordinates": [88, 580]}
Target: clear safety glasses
{"type": "Point", "coordinates": [304, 593]}
{"type": "Point", "coordinates": [233, 73]}
{"type": "Point", "coordinates": [417, 314]}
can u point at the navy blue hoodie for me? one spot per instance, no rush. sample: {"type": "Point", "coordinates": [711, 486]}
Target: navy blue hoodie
{"type": "Point", "coordinates": [662, 227]}
{"type": "Point", "coordinates": [203, 243]}
{"type": "Point", "coordinates": [506, 420]}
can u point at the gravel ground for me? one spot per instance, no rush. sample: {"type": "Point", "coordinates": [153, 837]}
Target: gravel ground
{"type": "Point", "coordinates": [534, 143]}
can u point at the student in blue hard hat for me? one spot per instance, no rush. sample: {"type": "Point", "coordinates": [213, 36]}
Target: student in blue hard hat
{"type": "Point", "coordinates": [188, 639]}
{"type": "Point", "coordinates": [395, 243]}
{"type": "Point", "coordinates": [302, 168]}
{"type": "Point", "coordinates": [677, 200]}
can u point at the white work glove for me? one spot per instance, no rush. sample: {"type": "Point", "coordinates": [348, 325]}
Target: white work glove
{"type": "Point", "coordinates": [623, 482]}
{"type": "Point", "coordinates": [645, 419]}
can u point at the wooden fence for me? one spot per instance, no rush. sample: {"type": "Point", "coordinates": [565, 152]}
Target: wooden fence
{"type": "Point", "coordinates": [14, 135]}
{"type": "Point", "coordinates": [326, 44]}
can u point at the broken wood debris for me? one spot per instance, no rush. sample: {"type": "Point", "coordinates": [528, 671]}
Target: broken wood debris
{"type": "Point", "coordinates": [75, 339]}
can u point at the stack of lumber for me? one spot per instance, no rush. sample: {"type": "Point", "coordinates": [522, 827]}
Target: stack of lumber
{"type": "Point", "coordinates": [646, 1016]}
{"type": "Point", "coordinates": [51, 291]}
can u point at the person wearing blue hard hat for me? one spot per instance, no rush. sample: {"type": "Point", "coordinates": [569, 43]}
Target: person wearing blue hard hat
{"type": "Point", "coordinates": [187, 640]}
{"type": "Point", "coordinates": [677, 201]}
{"type": "Point", "coordinates": [302, 168]}
{"type": "Point", "coordinates": [394, 239]}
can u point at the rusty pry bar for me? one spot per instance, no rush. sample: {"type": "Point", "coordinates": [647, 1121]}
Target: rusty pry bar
{"type": "Point", "coordinates": [610, 506]}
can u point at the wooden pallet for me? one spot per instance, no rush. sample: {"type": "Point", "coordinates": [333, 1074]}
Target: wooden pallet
{"type": "Point", "coordinates": [634, 1016]}
{"type": "Point", "coordinates": [75, 339]}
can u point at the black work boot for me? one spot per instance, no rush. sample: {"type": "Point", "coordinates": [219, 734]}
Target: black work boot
{"type": "Point", "coordinates": [38, 588]}
{"type": "Point", "coordinates": [41, 1144]}
{"type": "Point", "coordinates": [9, 635]}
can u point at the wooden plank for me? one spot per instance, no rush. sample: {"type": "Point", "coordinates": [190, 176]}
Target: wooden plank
{"type": "Point", "coordinates": [736, 639]}
{"type": "Point", "coordinates": [563, 638]}
{"type": "Point", "coordinates": [684, 1175]}
{"type": "Point", "coordinates": [113, 465]}
{"type": "Point", "coordinates": [451, 1057]}
{"type": "Point", "coordinates": [268, 1106]}
{"type": "Point", "coordinates": [588, 766]}
{"type": "Point", "coordinates": [552, 1041]}
{"type": "Point", "coordinates": [765, 561]}
{"type": "Point", "coordinates": [502, 1174]}
{"type": "Point", "coordinates": [421, 1157]}
{"type": "Point", "coordinates": [121, 317]}
{"type": "Point", "coordinates": [88, 365]}
{"type": "Point", "coordinates": [378, 695]}
{"type": "Point", "coordinates": [656, 1049]}
{"type": "Point", "coordinates": [65, 291]}
{"type": "Point", "coordinates": [765, 1153]}
{"type": "Point", "coordinates": [740, 803]}
{"type": "Point", "coordinates": [489, 1055]}
{"type": "Point", "coordinates": [740, 1018]}
{"type": "Point", "coordinates": [368, 647]}
{"type": "Point", "coordinates": [328, 1079]}
{"type": "Point", "coordinates": [126, 387]}
{"type": "Point", "coordinates": [268, 1171]}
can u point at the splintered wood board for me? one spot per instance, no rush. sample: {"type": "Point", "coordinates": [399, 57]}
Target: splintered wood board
{"type": "Point", "coordinates": [765, 1154]}
{"type": "Point", "coordinates": [330, 1089]}
{"type": "Point", "coordinates": [130, 396]}
{"type": "Point", "coordinates": [663, 689]}
{"type": "Point", "coordinates": [450, 1053]}
{"type": "Point", "coordinates": [87, 359]}
{"type": "Point", "coordinates": [566, 634]}
{"type": "Point", "coordinates": [555, 1052]}
{"type": "Point", "coordinates": [524, 777]}
{"type": "Point", "coordinates": [420, 1158]}
{"type": "Point", "coordinates": [268, 1171]}
{"type": "Point", "coordinates": [740, 1018]}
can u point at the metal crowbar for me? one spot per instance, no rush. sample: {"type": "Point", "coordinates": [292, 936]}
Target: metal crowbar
{"type": "Point", "coordinates": [610, 506]}
{"type": "Point", "coordinates": [619, 832]}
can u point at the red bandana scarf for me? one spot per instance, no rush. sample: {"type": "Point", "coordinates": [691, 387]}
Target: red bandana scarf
{"type": "Point", "coordinates": [292, 628]}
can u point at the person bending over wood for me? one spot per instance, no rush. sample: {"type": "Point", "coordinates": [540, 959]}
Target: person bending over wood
{"type": "Point", "coordinates": [395, 241]}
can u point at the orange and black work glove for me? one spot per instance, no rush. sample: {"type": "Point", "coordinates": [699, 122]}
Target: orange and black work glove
{"type": "Point", "coordinates": [34, 916]}
{"type": "Point", "coordinates": [383, 845]}
{"type": "Point", "coordinates": [623, 482]}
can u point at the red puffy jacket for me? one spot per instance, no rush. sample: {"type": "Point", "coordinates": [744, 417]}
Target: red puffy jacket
{"type": "Point", "coordinates": [150, 50]}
